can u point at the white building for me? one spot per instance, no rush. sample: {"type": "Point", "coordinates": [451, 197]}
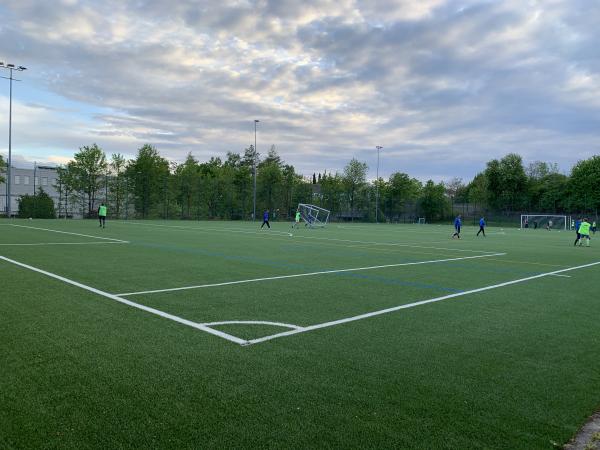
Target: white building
{"type": "Point", "coordinates": [28, 181]}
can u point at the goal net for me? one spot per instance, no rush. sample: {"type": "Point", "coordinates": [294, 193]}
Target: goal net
{"type": "Point", "coordinates": [313, 216]}
{"type": "Point", "coordinates": [545, 221]}
{"type": "Point", "coordinates": [421, 221]}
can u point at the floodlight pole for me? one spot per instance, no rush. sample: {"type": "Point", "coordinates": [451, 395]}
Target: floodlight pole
{"type": "Point", "coordinates": [254, 170]}
{"type": "Point", "coordinates": [10, 67]}
{"type": "Point", "coordinates": [379, 147]}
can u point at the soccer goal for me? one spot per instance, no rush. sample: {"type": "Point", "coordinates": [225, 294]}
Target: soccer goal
{"type": "Point", "coordinates": [545, 221]}
{"type": "Point", "coordinates": [313, 216]}
{"type": "Point", "coordinates": [421, 221]}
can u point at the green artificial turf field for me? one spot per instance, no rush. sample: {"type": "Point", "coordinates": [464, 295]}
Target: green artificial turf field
{"type": "Point", "coordinates": [427, 342]}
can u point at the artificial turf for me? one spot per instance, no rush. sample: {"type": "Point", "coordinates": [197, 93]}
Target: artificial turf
{"type": "Point", "coordinates": [513, 367]}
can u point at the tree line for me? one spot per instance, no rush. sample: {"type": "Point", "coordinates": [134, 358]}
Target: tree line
{"type": "Point", "coordinates": [150, 186]}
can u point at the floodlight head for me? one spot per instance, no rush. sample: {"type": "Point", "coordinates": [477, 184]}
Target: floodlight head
{"type": "Point", "coordinates": [1, 63]}
{"type": "Point", "coordinates": [11, 66]}
{"type": "Point", "coordinates": [256, 120]}
{"type": "Point", "coordinates": [22, 68]}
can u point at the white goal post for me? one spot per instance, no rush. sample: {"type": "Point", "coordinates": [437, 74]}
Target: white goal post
{"type": "Point", "coordinates": [421, 221]}
{"type": "Point", "coordinates": [546, 221]}
{"type": "Point", "coordinates": [313, 216]}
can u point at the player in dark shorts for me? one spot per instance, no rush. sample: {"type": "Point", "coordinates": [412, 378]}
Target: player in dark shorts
{"type": "Point", "coordinates": [457, 224]}
{"type": "Point", "coordinates": [102, 215]}
{"type": "Point", "coordinates": [481, 227]}
{"type": "Point", "coordinates": [266, 219]}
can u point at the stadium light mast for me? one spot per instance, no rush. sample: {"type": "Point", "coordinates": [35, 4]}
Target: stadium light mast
{"type": "Point", "coordinates": [254, 170]}
{"type": "Point", "coordinates": [378, 147]}
{"type": "Point", "coordinates": [10, 67]}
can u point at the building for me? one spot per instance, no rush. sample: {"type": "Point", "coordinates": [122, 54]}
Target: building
{"type": "Point", "coordinates": [28, 181]}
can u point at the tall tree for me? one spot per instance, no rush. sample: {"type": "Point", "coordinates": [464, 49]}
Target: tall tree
{"type": "Point", "coordinates": [433, 200]}
{"type": "Point", "coordinates": [453, 187]}
{"type": "Point", "coordinates": [585, 185]}
{"type": "Point", "coordinates": [506, 183]}
{"type": "Point", "coordinates": [146, 173]}
{"type": "Point", "coordinates": [355, 176]}
{"type": "Point", "coordinates": [269, 178]}
{"type": "Point", "coordinates": [117, 183]}
{"type": "Point", "coordinates": [88, 169]}
{"type": "Point", "coordinates": [400, 190]}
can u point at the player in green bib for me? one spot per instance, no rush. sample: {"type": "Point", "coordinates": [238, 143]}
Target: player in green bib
{"type": "Point", "coordinates": [102, 215]}
{"type": "Point", "coordinates": [297, 220]}
{"type": "Point", "coordinates": [584, 232]}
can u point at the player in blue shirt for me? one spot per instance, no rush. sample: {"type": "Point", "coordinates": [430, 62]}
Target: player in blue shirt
{"type": "Point", "coordinates": [577, 235]}
{"type": "Point", "coordinates": [457, 224]}
{"type": "Point", "coordinates": [481, 227]}
{"type": "Point", "coordinates": [266, 219]}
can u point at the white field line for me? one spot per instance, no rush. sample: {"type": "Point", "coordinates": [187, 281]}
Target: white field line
{"type": "Point", "coordinates": [412, 305]}
{"type": "Point", "coordinates": [393, 244]}
{"type": "Point", "coordinates": [205, 230]}
{"type": "Point", "coordinates": [64, 232]}
{"type": "Point", "coordinates": [306, 274]}
{"type": "Point", "coordinates": [67, 243]}
{"type": "Point", "coordinates": [116, 298]}
{"type": "Point", "coordinates": [253, 322]}
{"type": "Point", "coordinates": [559, 275]}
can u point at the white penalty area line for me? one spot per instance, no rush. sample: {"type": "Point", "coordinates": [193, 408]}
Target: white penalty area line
{"type": "Point", "coordinates": [116, 298]}
{"type": "Point", "coordinates": [393, 244]}
{"type": "Point", "coordinates": [412, 305]}
{"type": "Point", "coordinates": [307, 274]}
{"type": "Point", "coordinates": [66, 243]}
{"type": "Point", "coordinates": [66, 232]}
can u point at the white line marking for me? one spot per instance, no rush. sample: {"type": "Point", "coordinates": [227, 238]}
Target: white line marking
{"type": "Point", "coordinates": [307, 274]}
{"type": "Point", "coordinates": [393, 244]}
{"type": "Point", "coordinates": [63, 232]}
{"type": "Point", "coordinates": [253, 322]}
{"type": "Point", "coordinates": [68, 243]}
{"type": "Point", "coordinates": [227, 230]}
{"type": "Point", "coordinates": [412, 305]}
{"type": "Point", "coordinates": [559, 275]}
{"type": "Point", "coordinates": [116, 298]}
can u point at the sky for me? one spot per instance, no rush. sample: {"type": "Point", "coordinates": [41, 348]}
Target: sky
{"type": "Point", "coordinates": [442, 86]}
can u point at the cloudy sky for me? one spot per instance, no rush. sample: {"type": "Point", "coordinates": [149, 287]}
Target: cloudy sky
{"type": "Point", "coordinates": [443, 86]}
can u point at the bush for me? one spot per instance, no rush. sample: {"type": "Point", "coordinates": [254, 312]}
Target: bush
{"type": "Point", "coordinates": [39, 206]}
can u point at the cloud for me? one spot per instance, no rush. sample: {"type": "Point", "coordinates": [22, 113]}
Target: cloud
{"type": "Point", "coordinates": [443, 85]}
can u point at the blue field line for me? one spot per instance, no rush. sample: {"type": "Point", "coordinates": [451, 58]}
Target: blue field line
{"type": "Point", "coordinates": [279, 264]}
{"type": "Point", "coordinates": [479, 268]}
{"type": "Point", "coordinates": [397, 282]}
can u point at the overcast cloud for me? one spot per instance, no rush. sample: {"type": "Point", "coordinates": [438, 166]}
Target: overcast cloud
{"type": "Point", "coordinates": [443, 86]}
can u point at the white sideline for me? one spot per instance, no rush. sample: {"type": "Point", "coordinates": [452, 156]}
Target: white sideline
{"type": "Point", "coordinates": [67, 243]}
{"type": "Point", "coordinates": [411, 305]}
{"type": "Point", "coordinates": [116, 298]}
{"type": "Point", "coordinates": [307, 274]}
{"type": "Point", "coordinates": [65, 232]}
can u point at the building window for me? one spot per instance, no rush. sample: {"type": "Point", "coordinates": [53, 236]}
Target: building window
{"type": "Point", "coordinates": [17, 179]}
{"type": "Point", "coordinates": [44, 181]}
{"type": "Point", "coordinates": [37, 181]}
{"type": "Point", "coordinates": [25, 179]}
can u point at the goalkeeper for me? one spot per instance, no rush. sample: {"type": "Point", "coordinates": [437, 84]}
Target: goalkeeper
{"type": "Point", "coordinates": [297, 219]}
